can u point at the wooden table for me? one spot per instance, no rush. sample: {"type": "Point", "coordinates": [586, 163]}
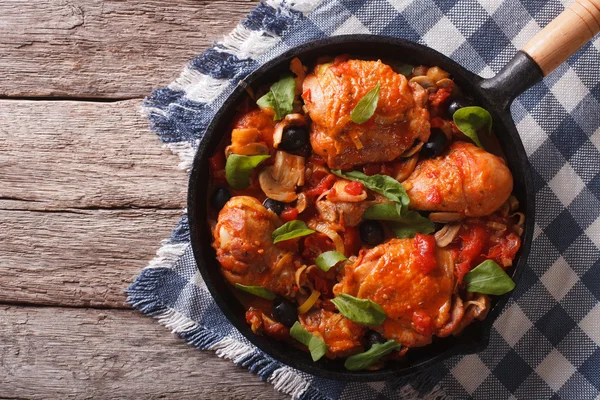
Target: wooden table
{"type": "Point", "coordinates": [86, 195]}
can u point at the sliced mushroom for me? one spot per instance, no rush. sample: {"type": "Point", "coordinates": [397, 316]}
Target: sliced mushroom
{"type": "Point", "coordinates": [496, 225]}
{"type": "Point", "coordinates": [301, 202]}
{"type": "Point", "coordinates": [447, 234]}
{"type": "Point", "coordinates": [445, 217]}
{"type": "Point", "coordinates": [476, 308]}
{"type": "Point", "coordinates": [437, 74]}
{"type": "Point", "coordinates": [280, 180]}
{"type": "Point", "coordinates": [513, 203]}
{"type": "Point", "coordinates": [420, 70]}
{"type": "Point", "coordinates": [406, 168]}
{"type": "Point", "coordinates": [288, 120]}
{"type": "Point", "coordinates": [413, 150]}
{"type": "Point", "coordinates": [425, 82]}
{"type": "Point", "coordinates": [445, 83]}
{"type": "Point", "coordinates": [457, 313]}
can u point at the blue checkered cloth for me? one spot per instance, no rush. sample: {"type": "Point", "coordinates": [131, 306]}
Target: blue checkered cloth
{"type": "Point", "coordinates": [545, 344]}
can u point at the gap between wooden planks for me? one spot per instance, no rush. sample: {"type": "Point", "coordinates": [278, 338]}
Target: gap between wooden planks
{"type": "Point", "coordinates": [64, 353]}
{"type": "Point", "coordinates": [87, 194]}
{"type": "Point", "coordinates": [105, 48]}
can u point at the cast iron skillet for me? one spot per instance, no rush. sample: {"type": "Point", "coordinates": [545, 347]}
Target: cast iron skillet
{"type": "Point", "coordinates": [547, 50]}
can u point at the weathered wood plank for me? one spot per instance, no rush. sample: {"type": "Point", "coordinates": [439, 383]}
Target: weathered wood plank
{"type": "Point", "coordinates": [77, 257]}
{"type": "Point", "coordinates": [105, 48]}
{"type": "Point", "coordinates": [64, 353]}
{"type": "Point", "coordinates": [66, 154]}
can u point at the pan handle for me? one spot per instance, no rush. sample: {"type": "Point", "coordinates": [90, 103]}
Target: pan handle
{"type": "Point", "coordinates": [564, 35]}
{"type": "Point", "coordinates": [549, 48]}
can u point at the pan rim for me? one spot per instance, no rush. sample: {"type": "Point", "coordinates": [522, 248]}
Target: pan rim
{"type": "Point", "coordinates": [194, 201]}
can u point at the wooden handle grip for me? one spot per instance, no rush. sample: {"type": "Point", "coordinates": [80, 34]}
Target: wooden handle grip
{"type": "Point", "coordinates": [562, 37]}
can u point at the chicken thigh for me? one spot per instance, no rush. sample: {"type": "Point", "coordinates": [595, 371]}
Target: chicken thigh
{"type": "Point", "coordinates": [245, 248]}
{"type": "Point", "coordinates": [341, 335]}
{"type": "Point", "coordinates": [416, 300]}
{"type": "Point", "coordinates": [468, 180]}
{"type": "Point", "coordinates": [332, 91]}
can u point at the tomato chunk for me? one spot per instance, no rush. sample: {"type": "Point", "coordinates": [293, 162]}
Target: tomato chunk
{"type": "Point", "coordinates": [425, 252]}
{"type": "Point", "coordinates": [325, 184]}
{"type": "Point", "coordinates": [422, 323]}
{"type": "Point", "coordinates": [289, 214]}
{"type": "Point", "coordinates": [354, 188]}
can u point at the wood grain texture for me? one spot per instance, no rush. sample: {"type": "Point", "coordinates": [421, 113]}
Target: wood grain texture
{"type": "Point", "coordinates": [105, 48]}
{"type": "Point", "coordinates": [66, 154]}
{"type": "Point", "coordinates": [564, 35]}
{"type": "Point", "coordinates": [58, 353]}
{"type": "Point", "coordinates": [77, 257]}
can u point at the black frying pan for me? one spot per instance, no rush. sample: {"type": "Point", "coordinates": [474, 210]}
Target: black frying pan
{"type": "Point", "coordinates": [547, 50]}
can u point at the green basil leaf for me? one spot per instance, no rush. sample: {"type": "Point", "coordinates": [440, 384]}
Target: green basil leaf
{"type": "Point", "coordinates": [280, 97]}
{"type": "Point", "coordinates": [257, 291]}
{"type": "Point", "coordinates": [238, 168]}
{"type": "Point", "coordinates": [404, 69]}
{"type": "Point", "coordinates": [329, 259]}
{"type": "Point", "coordinates": [362, 361]}
{"type": "Point", "coordinates": [382, 184]}
{"type": "Point", "coordinates": [469, 120]}
{"type": "Point", "coordinates": [290, 230]}
{"type": "Point", "coordinates": [411, 224]}
{"type": "Point", "coordinates": [316, 346]}
{"type": "Point", "coordinates": [362, 311]}
{"type": "Point", "coordinates": [365, 108]}
{"type": "Point", "coordinates": [489, 278]}
{"type": "Point", "coordinates": [382, 212]}
{"type": "Point", "coordinates": [405, 226]}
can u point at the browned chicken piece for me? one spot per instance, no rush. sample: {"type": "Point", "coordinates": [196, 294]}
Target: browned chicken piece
{"type": "Point", "coordinates": [348, 213]}
{"type": "Point", "coordinates": [245, 248]}
{"type": "Point", "coordinates": [467, 180]}
{"type": "Point", "coordinates": [417, 300]}
{"type": "Point", "coordinates": [332, 91]}
{"type": "Point", "coordinates": [341, 335]}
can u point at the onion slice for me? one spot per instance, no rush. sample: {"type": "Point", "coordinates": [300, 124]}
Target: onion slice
{"type": "Point", "coordinates": [298, 273]}
{"type": "Point", "coordinates": [307, 305]}
{"type": "Point", "coordinates": [333, 235]}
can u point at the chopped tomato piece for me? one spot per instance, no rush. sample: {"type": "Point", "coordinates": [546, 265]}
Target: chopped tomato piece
{"type": "Point", "coordinates": [425, 252]}
{"type": "Point", "coordinates": [354, 188]}
{"type": "Point", "coordinates": [461, 270]}
{"type": "Point", "coordinates": [474, 238]}
{"type": "Point", "coordinates": [505, 251]}
{"type": "Point", "coordinates": [439, 97]}
{"type": "Point", "coordinates": [422, 323]}
{"type": "Point", "coordinates": [289, 214]}
{"type": "Point", "coordinates": [306, 95]}
{"type": "Point", "coordinates": [325, 184]}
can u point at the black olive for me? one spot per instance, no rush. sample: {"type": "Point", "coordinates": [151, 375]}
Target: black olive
{"type": "Point", "coordinates": [458, 103]}
{"type": "Point", "coordinates": [285, 311]}
{"type": "Point", "coordinates": [293, 138]}
{"type": "Point", "coordinates": [437, 143]}
{"type": "Point", "coordinates": [274, 205]}
{"type": "Point", "coordinates": [371, 232]}
{"type": "Point", "coordinates": [373, 337]}
{"type": "Point", "coordinates": [219, 198]}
